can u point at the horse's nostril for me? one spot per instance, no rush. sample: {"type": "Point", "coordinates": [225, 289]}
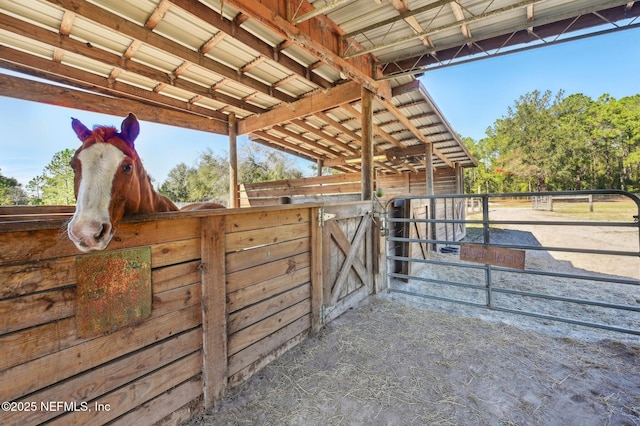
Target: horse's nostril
{"type": "Point", "coordinates": [104, 230]}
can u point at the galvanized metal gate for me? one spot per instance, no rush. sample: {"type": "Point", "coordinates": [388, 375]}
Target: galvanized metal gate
{"type": "Point", "coordinates": [574, 262]}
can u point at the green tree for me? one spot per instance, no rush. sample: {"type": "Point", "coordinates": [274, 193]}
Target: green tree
{"type": "Point", "coordinates": [58, 186]}
{"type": "Point", "coordinates": [11, 192]}
{"type": "Point", "coordinates": [261, 164]}
{"type": "Point", "coordinates": [556, 143]}
{"type": "Point", "coordinates": [526, 137]}
{"type": "Point", "coordinates": [34, 187]}
{"type": "Point", "coordinates": [176, 187]}
{"type": "Point", "coordinates": [210, 179]}
{"type": "Point", "coordinates": [571, 159]}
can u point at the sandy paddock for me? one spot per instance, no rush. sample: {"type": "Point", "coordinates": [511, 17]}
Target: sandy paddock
{"type": "Point", "coordinates": [387, 363]}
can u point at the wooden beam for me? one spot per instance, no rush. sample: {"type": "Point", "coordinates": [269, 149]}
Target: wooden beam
{"type": "Point", "coordinates": [318, 36]}
{"type": "Point", "coordinates": [428, 159]}
{"type": "Point", "coordinates": [280, 143]}
{"type": "Point", "coordinates": [367, 145]}
{"type": "Point", "coordinates": [237, 32]}
{"type": "Point", "coordinates": [214, 313]}
{"type": "Point", "coordinates": [147, 36]}
{"type": "Point", "coordinates": [234, 194]}
{"type": "Point", "coordinates": [413, 129]}
{"type": "Point", "coordinates": [320, 133]}
{"type": "Point", "coordinates": [24, 89]}
{"type": "Point", "coordinates": [377, 129]}
{"type": "Point", "coordinates": [67, 44]}
{"type": "Point", "coordinates": [321, 101]}
{"type": "Point", "coordinates": [301, 139]}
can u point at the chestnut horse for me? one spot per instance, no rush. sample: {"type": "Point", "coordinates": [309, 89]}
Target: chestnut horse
{"type": "Point", "coordinates": [111, 183]}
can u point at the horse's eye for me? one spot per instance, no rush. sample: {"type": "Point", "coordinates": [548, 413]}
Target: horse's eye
{"type": "Point", "coordinates": [127, 168]}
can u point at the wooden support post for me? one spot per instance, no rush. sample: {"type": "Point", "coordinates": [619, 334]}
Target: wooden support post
{"type": "Point", "coordinates": [367, 145]}
{"type": "Point", "coordinates": [317, 274]}
{"type": "Point", "coordinates": [214, 315]}
{"type": "Point", "coordinates": [234, 196]}
{"type": "Point", "coordinates": [428, 159]}
{"type": "Point", "coordinates": [320, 165]}
{"type": "Point", "coordinates": [459, 173]}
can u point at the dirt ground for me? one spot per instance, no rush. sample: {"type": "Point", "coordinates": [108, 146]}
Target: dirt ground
{"type": "Point", "coordinates": [387, 363]}
{"type": "Point", "coordinates": [400, 360]}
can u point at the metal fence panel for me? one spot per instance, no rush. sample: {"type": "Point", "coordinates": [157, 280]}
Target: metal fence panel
{"type": "Point", "coordinates": [582, 256]}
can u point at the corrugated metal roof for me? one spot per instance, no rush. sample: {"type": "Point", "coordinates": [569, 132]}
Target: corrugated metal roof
{"type": "Point", "coordinates": [185, 56]}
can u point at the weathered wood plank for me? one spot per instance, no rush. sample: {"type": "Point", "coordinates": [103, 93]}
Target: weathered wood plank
{"type": "Point", "coordinates": [214, 322]}
{"type": "Point", "coordinates": [172, 276]}
{"type": "Point", "coordinates": [246, 362]}
{"type": "Point", "coordinates": [247, 239]}
{"type": "Point", "coordinates": [137, 392]}
{"type": "Point", "coordinates": [263, 290]}
{"type": "Point", "coordinates": [266, 271]}
{"type": "Point", "coordinates": [47, 370]}
{"type": "Point", "coordinates": [18, 280]}
{"type": "Point", "coordinates": [92, 385]}
{"type": "Point", "coordinates": [35, 309]}
{"type": "Point", "coordinates": [265, 219]}
{"type": "Point", "coordinates": [262, 329]}
{"type": "Point", "coordinates": [26, 246]}
{"type": "Point", "coordinates": [350, 260]}
{"type": "Point", "coordinates": [37, 276]}
{"type": "Point", "coordinates": [35, 342]}
{"type": "Point", "coordinates": [170, 408]}
{"type": "Point", "coordinates": [35, 210]}
{"type": "Point", "coordinates": [255, 313]}
{"type": "Point", "coordinates": [348, 210]}
{"type": "Point", "coordinates": [349, 301]}
{"type": "Point", "coordinates": [317, 272]}
{"type": "Point", "coordinates": [175, 252]}
{"type": "Point", "coordinates": [308, 181]}
{"type": "Point", "coordinates": [342, 188]}
{"type": "Point", "coordinates": [260, 255]}
{"type": "Point", "coordinates": [177, 299]}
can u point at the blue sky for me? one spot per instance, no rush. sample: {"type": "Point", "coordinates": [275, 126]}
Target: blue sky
{"type": "Point", "coordinates": [471, 97]}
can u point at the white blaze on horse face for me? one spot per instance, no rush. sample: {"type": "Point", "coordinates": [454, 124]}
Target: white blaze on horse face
{"type": "Point", "coordinates": [90, 228]}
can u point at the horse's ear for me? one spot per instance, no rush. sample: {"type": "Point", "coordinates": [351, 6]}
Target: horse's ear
{"type": "Point", "coordinates": [81, 130]}
{"type": "Point", "coordinates": [130, 128]}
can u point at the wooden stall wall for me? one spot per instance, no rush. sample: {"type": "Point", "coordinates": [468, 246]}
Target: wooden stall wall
{"type": "Point", "coordinates": [340, 187]}
{"type": "Point", "coordinates": [344, 187]}
{"type": "Point", "coordinates": [231, 291]}
{"type": "Point", "coordinates": [268, 286]}
{"type": "Point", "coordinates": [136, 374]}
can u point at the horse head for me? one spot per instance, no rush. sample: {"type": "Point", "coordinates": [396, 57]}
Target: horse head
{"type": "Point", "coordinates": [109, 183]}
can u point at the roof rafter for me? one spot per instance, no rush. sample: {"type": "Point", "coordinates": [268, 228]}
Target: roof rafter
{"type": "Point", "coordinates": [358, 71]}
{"type": "Point", "coordinates": [152, 39]}
{"type": "Point", "coordinates": [409, 125]}
{"type": "Point", "coordinates": [110, 59]}
{"type": "Point", "coordinates": [233, 28]}
{"type": "Point", "coordinates": [320, 101]}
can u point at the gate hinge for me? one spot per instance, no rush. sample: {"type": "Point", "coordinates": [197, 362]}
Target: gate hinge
{"type": "Point", "coordinates": [323, 217]}
{"type": "Point", "coordinates": [324, 313]}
